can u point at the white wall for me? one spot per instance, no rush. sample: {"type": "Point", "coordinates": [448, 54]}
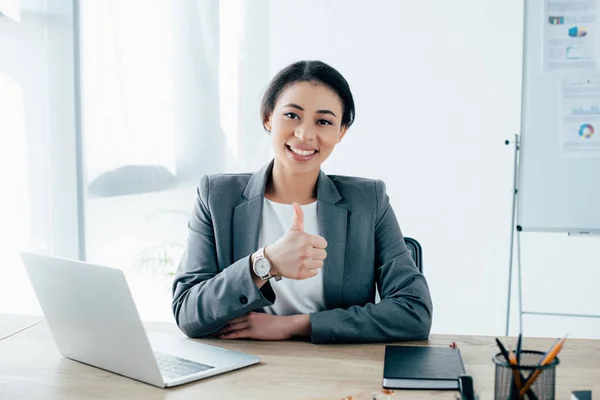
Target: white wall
{"type": "Point", "coordinates": [437, 91]}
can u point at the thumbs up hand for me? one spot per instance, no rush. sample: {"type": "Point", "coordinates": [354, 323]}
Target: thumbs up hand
{"type": "Point", "coordinates": [297, 255]}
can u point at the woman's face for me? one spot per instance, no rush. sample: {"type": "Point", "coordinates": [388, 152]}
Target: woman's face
{"type": "Point", "coordinates": [305, 126]}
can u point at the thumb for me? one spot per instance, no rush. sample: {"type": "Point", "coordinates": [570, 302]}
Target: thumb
{"type": "Point", "coordinates": [298, 221]}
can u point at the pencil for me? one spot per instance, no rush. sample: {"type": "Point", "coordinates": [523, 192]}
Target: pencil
{"type": "Point", "coordinates": [513, 361]}
{"type": "Point", "coordinates": [548, 358]}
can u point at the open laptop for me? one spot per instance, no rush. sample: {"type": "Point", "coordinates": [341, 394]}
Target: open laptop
{"type": "Point", "coordinates": [94, 320]}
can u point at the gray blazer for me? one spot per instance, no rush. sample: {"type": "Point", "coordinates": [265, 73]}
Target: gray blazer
{"type": "Point", "coordinates": [213, 283]}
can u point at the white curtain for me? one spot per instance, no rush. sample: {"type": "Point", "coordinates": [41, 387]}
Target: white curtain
{"type": "Point", "coordinates": [175, 84]}
{"type": "Point", "coordinates": [127, 86]}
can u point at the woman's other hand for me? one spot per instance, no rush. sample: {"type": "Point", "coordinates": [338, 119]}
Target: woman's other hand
{"type": "Point", "coordinates": [261, 326]}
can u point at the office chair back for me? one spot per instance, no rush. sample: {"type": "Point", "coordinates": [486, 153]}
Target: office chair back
{"type": "Point", "coordinates": [416, 252]}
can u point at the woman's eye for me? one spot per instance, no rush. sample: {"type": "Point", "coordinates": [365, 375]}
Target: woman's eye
{"type": "Point", "coordinates": [291, 115]}
{"type": "Point", "coordinates": [323, 122]}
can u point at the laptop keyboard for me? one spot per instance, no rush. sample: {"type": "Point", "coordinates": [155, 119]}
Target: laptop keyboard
{"type": "Point", "coordinates": [176, 367]}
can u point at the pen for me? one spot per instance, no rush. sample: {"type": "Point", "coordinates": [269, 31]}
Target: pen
{"type": "Point", "coordinates": [548, 358]}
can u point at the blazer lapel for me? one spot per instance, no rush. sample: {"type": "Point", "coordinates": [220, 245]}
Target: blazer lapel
{"type": "Point", "coordinates": [246, 227]}
{"type": "Point", "coordinates": [333, 222]}
{"type": "Point", "coordinates": [247, 215]}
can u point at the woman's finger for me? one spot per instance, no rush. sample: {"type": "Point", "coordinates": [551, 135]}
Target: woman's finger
{"type": "Point", "coordinates": [234, 327]}
{"type": "Point", "coordinates": [318, 254]}
{"type": "Point", "coordinates": [318, 242]}
{"type": "Point", "coordinates": [239, 319]}
{"type": "Point", "coordinates": [241, 334]}
{"type": "Point", "coordinates": [314, 264]}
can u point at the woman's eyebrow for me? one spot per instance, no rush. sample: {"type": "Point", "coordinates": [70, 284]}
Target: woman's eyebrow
{"type": "Point", "coordinates": [318, 111]}
{"type": "Point", "coordinates": [326, 112]}
{"type": "Point", "coordinates": [294, 106]}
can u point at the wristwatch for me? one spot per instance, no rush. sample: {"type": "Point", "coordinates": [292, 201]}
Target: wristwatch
{"type": "Point", "coordinates": [262, 266]}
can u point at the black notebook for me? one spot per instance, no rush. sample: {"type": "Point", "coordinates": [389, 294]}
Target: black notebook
{"type": "Point", "coordinates": [422, 367]}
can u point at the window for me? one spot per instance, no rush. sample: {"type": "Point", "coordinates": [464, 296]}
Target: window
{"type": "Point", "coordinates": [159, 84]}
{"type": "Point", "coordinates": [37, 132]}
{"type": "Point", "coordinates": [154, 76]}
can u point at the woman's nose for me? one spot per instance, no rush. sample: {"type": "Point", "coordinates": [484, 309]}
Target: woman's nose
{"type": "Point", "coordinates": [304, 133]}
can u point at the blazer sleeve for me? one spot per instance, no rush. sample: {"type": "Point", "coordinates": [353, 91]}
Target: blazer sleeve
{"type": "Point", "coordinates": [205, 299]}
{"type": "Point", "coordinates": [405, 310]}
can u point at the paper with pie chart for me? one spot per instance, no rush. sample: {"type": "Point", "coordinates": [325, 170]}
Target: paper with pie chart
{"type": "Point", "coordinates": [580, 116]}
{"type": "Point", "coordinates": [571, 39]}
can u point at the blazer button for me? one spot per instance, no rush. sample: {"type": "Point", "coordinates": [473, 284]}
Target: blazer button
{"type": "Point", "coordinates": [243, 299]}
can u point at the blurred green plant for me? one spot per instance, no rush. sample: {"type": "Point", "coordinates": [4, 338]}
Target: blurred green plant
{"type": "Point", "coordinates": [161, 259]}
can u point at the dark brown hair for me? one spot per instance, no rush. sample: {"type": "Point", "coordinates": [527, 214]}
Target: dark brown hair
{"type": "Point", "coordinates": [309, 71]}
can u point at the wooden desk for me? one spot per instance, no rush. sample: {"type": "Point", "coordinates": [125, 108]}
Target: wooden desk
{"type": "Point", "coordinates": [12, 324]}
{"type": "Point", "coordinates": [32, 368]}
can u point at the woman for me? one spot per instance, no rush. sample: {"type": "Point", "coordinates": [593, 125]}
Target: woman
{"type": "Point", "coordinates": [292, 252]}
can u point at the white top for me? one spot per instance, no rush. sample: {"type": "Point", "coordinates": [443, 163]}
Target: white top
{"type": "Point", "coordinates": [293, 297]}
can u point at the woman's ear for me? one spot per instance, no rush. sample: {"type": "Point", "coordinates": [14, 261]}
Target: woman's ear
{"type": "Point", "coordinates": [342, 133]}
{"type": "Point", "coordinates": [267, 124]}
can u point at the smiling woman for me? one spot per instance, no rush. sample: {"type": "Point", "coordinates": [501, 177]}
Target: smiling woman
{"type": "Point", "coordinates": [292, 252]}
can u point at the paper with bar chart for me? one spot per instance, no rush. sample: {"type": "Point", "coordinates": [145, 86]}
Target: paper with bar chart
{"type": "Point", "coordinates": [570, 35]}
{"type": "Point", "coordinates": [580, 116]}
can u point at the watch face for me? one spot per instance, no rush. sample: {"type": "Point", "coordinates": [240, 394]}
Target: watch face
{"type": "Point", "coordinates": [262, 267]}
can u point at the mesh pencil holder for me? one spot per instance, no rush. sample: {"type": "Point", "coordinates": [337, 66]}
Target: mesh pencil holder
{"type": "Point", "coordinates": [543, 387]}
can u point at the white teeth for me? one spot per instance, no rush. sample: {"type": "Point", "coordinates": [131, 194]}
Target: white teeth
{"type": "Point", "coordinates": [302, 152]}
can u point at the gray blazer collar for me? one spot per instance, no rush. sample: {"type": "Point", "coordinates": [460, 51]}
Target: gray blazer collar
{"type": "Point", "coordinates": [326, 189]}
